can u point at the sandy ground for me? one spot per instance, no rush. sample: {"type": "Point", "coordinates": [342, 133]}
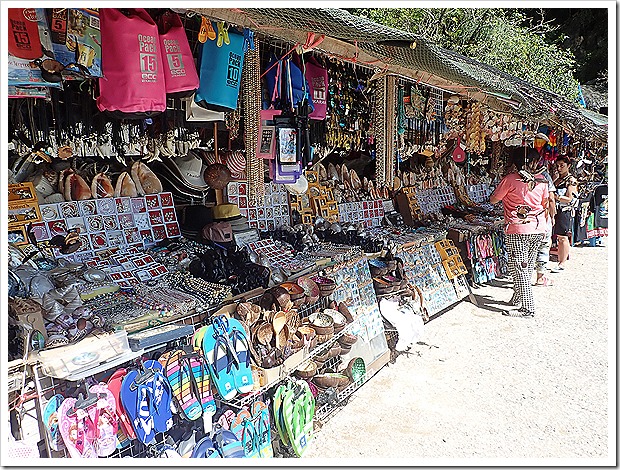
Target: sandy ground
{"type": "Point", "coordinates": [481, 385]}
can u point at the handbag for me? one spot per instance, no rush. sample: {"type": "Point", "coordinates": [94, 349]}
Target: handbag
{"type": "Point", "coordinates": [133, 85]}
{"type": "Point", "coordinates": [179, 68]}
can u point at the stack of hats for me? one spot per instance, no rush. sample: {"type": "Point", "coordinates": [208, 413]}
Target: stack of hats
{"type": "Point", "coordinates": [230, 213]}
{"type": "Point", "coordinates": [192, 219]}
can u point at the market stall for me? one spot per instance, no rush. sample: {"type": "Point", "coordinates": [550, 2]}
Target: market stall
{"type": "Point", "coordinates": [213, 230]}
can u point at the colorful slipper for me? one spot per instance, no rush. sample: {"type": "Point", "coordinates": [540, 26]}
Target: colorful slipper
{"type": "Point", "coordinates": [244, 431]}
{"type": "Point", "coordinates": [243, 380]}
{"type": "Point", "coordinates": [260, 416]}
{"type": "Point", "coordinates": [103, 416]}
{"type": "Point", "coordinates": [137, 401]}
{"type": "Point", "coordinates": [278, 415]}
{"type": "Point", "coordinates": [50, 419]}
{"type": "Point", "coordinates": [198, 337]}
{"type": "Point", "coordinates": [76, 430]}
{"type": "Point", "coordinates": [125, 432]}
{"type": "Point", "coordinates": [220, 359]}
{"type": "Point", "coordinates": [298, 409]}
{"type": "Point", "coordinates": [179, 374]}
{"type": "Point", "coordinates": [205, 449]}
{"type": "Point", "coordinates": [201, 381]}
{"type": "Point", "coordinates": [162, 396]}
{"type": "Point", "coordinates": [227, 444]}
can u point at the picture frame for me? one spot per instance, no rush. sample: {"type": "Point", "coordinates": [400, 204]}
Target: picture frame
{"type": "Point", "coordinates": [17, 236]}
{"type": "Point", "coordinates": [21, 193]}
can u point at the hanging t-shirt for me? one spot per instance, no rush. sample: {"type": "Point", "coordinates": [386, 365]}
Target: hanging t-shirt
{"type": "Point", "coordinates": [581, 218]}
{"type": "Point", "coordinates": [523, 209]}
{"type": "Point", "coordinates": [601, 206]}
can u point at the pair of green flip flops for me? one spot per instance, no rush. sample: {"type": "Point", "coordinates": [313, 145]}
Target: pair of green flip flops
{"type": "Point", "coordinates": [293, 408]}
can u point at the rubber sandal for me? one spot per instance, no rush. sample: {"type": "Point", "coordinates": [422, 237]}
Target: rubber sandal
{"type": "Point", "coordinates": [243, 429]}
{"type": "Point", "coordinates": [125, 432]}
{"type": "Point", "coordinates": [205, 449]}
{"type": "Point", "coordinates": [226, 418]}
{"type": "Point", "coordinates": [103, 416]}
{"type": "Point", "coordinates": [260, 415]}
{"type": "Point", "coordinates": [71, 423]}
{"type": "Point", "coordinates": [227, 444]}
{"type": "Point", "coordinates": [201, 381]}
{"type": "Point", "coordinates": [179, 374]}
{"type": "Point", "coordinates": [220, 360]}
{"type": "Point", "coordinates": [162, 396]}
{"type": "Point", "coordinates": [50, 419]}
{"type": "Point", "coordinates": [278, 414]}
{"type": "Point", "coordinates": [137, 401]}
{"type": "Point", "coordinates": [298, 409]}
{"type": "Point", "coordinates": [243, 380]}
{"type": "Point", "coordinates": [546, 282]}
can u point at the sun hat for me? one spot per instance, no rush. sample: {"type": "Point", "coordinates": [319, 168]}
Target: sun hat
{"type": "Point", "coordinates": [190, 168]}
{"type": "Point", "coordinates": [194, 217]}
{"type": "Point", "coordinates": [226, 212]}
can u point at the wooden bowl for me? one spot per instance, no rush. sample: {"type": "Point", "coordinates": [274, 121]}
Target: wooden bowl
{"type": "Point", "coordinates": [330, 380]}
{"type": "Point", "coordinates": [282, 297]}
{"type": "Point", "coordinates": [324, 356]}
{"type": "Point", "coordinates": [344, 349]}
{"type": "Point", "coordinates": [326, 285]}
{"type": "Point", "coordinates": [320, 339]}
{"type": "Point", "coordinates": [294, 290]}
{"type": "Point", "coordinates": [334, 351]}
{"type": "Point", "coordinates": [356, 369]}
{"type": "Point", "coordinates": [307, 332]}
{"type": "Point", "coordinates": [307, 370]}
{"type": "Point", "coordinates": [339, 319]}
{"type": "Point", "coordinates": [311, 289]}
{"type": "Point", "coordinates": [347, 339]}
{"type": "Point", "coordinates": [342, 308]}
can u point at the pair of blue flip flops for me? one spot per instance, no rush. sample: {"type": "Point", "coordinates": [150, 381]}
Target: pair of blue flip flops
{"type": "Point", "coordinates": [224, 444]}
{"type": "Point", "coordinates": [146, 397]}
{"type": "Point", "coordinates": [226, 348]}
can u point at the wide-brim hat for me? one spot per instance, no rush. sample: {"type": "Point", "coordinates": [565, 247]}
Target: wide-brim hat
{"type": "Point", "coordinates": [194, 217]}
{"type": "Point", "coordinates": [240, 224]}
{"type": "Point", "coordinates": [191, 169]}
{"type": "Point", "coordinates": [226, 212]}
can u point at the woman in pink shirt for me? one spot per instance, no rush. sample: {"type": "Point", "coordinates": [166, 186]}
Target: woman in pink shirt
{"type": "Point", "coordinates": [525, 197]}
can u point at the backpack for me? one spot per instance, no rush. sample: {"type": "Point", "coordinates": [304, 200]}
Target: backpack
{"type": "Point", "coordinates": [133, 83]}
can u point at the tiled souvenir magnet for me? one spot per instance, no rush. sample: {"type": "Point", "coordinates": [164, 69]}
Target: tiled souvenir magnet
{"type": "Point", "coordinates": [50, 212]}
{"type": "Point", "coordinates": [138, 205]}
{"type": "Point", "coordinates": [152, 201]}
{"type": "Point", "coordinates": [142, 221]}
{"type": "Point", "coordinates": [165, 199]}
{"type": "Point", "coordinates": [57, 227]}
{"type": "Point", "coordinates": [106, 206]}
{"type": "Point", "coordinates": [125, 221]}
{"type": "Point", "coordinates": [159, 232]}
{"type": "Point", "coordinates": [40, 231]}
{"type": "Point", "coordinates": [123, 205]}
{"type": "Point", "coordinates": [69, 209]}
{"type": "Point", "coordinates": [94, 223]}
{"type": "Point", "coordinates": [110, 222]}
{"type": "Point", "coordinates": [169, 214]}
{"type": "Point", "coordinates": [173, 230]}
{"type": "Point", "coordinates": [156, 218]}
{"type": "Point", "coordinates": [98, 240]}
{"type": "Point", "coordinates": [146, 236]}
{"type": "Point", "coordinates": [132, 235]}
{"type": "Point", "coordinates": [88, 207]}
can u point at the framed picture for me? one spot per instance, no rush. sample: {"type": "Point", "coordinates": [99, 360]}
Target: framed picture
{"type": "Point", "coordinates": [17, 236]}
{"type": "Point", "coordinates": [22, 192]}
{"type": "Point", "coordinates": [23, 213]}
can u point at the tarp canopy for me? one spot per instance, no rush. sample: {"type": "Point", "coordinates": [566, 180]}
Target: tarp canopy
{"type": "Point", "coordinates": [363, 41]}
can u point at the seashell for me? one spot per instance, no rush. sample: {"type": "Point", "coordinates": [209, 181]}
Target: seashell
{"type": "Point", "coordinates": [320, 168]}
{"type": "Point", "coordinates": [125, 186]}
{"type": "Point", "coordinates": [355, 180]}
{"type": "Point", "coordinates": [53, 310]}
{"type": "Point", "coordinates": [344, 175]}
{"type": "Point", "coordinates": [76, 189]}
{"type": "Point", "coordinates": [61, 179]}
{"type": "Point", "coordinates": [94, 275]}
{"type": "Point", "coordinates": [365, 183]}
{"type": "Point", "coordinates": [332, 173]}
{"type": "Point", "coordinates": [81, 312]}
{"type": "Point", "coordinates": [101, 186]}
{"type": "Point", "coordinates": [145, 180]}
{"type": "Point", "coordinates": [55, 341]}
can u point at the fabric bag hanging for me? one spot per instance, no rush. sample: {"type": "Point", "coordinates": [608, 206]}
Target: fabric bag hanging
{"type": "Point", "coordinates": [220, 73]}
{"type": "Point", "coordinates": [133, 83]}
{"type": "Point", "coordinates": [287, 82]}
{"type": "Point", "coordinates": [317, 79]}
{"type": "Point", "coordinates": [179, 68]}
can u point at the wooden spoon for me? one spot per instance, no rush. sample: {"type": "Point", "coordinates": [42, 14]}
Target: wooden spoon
{"type": "Point", "coordinates": [278, 322]}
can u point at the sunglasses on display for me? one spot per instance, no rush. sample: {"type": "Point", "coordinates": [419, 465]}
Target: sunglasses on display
{"type": "Point", "coordinates": [51, 70]}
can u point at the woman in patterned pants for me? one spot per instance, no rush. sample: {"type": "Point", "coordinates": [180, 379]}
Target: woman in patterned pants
{"type": "Point", "coordinates": [525, 196]}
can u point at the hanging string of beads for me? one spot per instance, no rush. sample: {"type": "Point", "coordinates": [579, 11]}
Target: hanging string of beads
{"type": "Point", "coordinates": [252, 102]}
{"type": "Point", "coordinates": [380, 132]}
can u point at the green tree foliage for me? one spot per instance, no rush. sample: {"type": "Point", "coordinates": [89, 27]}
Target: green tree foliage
{"type": "Point", "coordinates": [500, 37]}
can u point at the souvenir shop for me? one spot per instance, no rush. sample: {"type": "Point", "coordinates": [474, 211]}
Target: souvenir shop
{"type": "Point", "coordinates": [222, 223]}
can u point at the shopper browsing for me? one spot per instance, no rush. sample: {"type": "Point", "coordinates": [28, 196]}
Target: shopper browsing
{"type": "Point", "coordinates": [542, 259]}
{"type": "Point", "coordinates": [525, 197]}
{"type": "Point", "coordinates": [566, 185]}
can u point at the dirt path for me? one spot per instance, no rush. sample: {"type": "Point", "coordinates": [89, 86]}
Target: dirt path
{"type": "Point", "coordinates": [486, 386]}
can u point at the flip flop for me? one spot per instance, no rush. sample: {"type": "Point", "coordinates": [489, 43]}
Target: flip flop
{"type": "Point", "coordinates": [125, 432]}
{"type": "Point", "coordinates": [205, 449]}
{"type": "Point", "coordinates": [260, 415]}
{"type": "Point", "coordinates": [137, 401]}
{"type": "Point", "coordinates": [103, 416]}
{"type": "Point", "coordinates": [546, 282]}
{"type": "Point", "coordinates": [226, 418]}
{"type": "Point", "coordinates": [201, 381]}
{"type": "Point", "coordinates": [162, 396]}
{"type": "Point", "coordinates": [216, 347]}
{"type": "Point", "coordinates": [243, 380]}
{"type": "Point", "coordinates": [178, 371]}
{"type": "Point", "coordinates": [227, 444]}
{"type": "Point", "coordinates": [278, 415]}
{"type": "Point", "coordinates": [50, 419]}
{"type": "Point", "coordinates": [246, 434]}
{"type": "Point", "coordinates": [198, 337]}
{"type": "Point", "coordinates": [298, 410]}
{"type": "Point", "coordinates": [73, 430]}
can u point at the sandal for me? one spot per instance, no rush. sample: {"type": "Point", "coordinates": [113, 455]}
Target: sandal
{"type": "Point", "coordinates": [546, 282]}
